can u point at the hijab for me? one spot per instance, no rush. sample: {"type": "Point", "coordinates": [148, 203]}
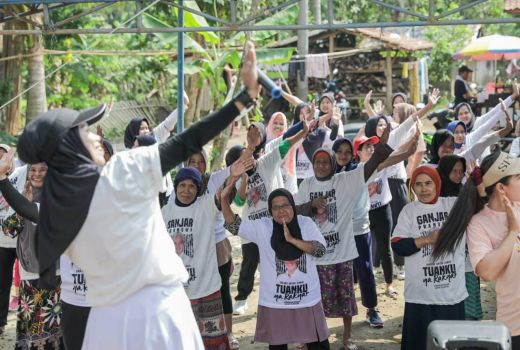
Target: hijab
{"type": "Point", "coordinates": [108, 147]}
{"type": "Point", "coordinates": [335, 146]}
{"type": "Point", "coordinates": [132, 131]}
{"type": "Point", "coordinates": [438, 139]}
{"type": "Point", "coordinates": [452, 126]}
{"type": "Point", "coordinates": [263, 138]}
{"type": "Point", "coordinates": [404, 110]}
{"type": "Point", "coordinates": [283, 249]}
{"type": "Point", "coordinates": [332, 158]}
{"type": "Point", "coordinates": [371, 125]}
{"type": "Point", "coordinates": [205, 177]}
{"type": "Point", "coordinates": [329, 96]}
{"type": "Point", "coordinates": [446, 164]}
{"type": "Point", "coordinates": [469, 126]}
{"type": "Point", "coordinates": [433, 174]}
{"type": "Point", "coordinates": [269, 132]}
{"type": "Point", "coordinates": [187, 174]}
{"type": "Point", "coordinates": [233, 154]}
{"type": "Point", "coordinates": [397, 94]}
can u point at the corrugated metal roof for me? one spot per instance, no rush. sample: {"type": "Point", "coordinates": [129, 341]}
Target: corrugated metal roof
{"type": "Point", "coordinates": [512, 5]}
{"type": "Point", "coordinates": [389, 39]}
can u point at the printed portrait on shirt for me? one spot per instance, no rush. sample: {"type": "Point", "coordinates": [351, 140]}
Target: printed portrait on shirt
{"type": "Point", "coordinates": [256, 194]}
{"type": "Point", "coordinates": [325, 215]}
{"type": "Point", "coordinates": [375, 187]}
{"type": "Point", "coordinates": [290, 268]}
{"type": "Point", "coordinates": [183, 244]}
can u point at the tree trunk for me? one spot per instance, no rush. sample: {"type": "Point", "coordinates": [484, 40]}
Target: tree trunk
{"type": "Point", "coordinates": [36, 97]}
{"type": "Point", "coordinates": [316, 10]}
{"type": "Point", "coordinates": [11, 77]}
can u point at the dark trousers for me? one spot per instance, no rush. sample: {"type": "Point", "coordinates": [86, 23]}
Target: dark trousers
{"type": "Point", "coordinates": [417, 318]}
{"type": "Point", "coordinates": [73, 324]}
{"type": "Point", "coordinates": [364, 270]}
{"type": "Point", "coordinates": [381, 227]}
{"type": "Point", "coordinates": [515, 342]}
{"type": "Point", "coordinates": [246, 279]}
{"type": "Point", "coordinates": [324, 345]}
{"type": "Point", "coordinates": [225, 293]}
{"type": "Point", "coordinates": [399, 200]}
{"type": "Point", "coordinates": [7, 258]}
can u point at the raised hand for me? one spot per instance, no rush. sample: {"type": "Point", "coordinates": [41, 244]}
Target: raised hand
{"type": "Point", "coordinates": [226, 190]}
{"type": "Point", "coordinates": [6, 163]}
{"type": "Point", "coordinates": [368, 97]}
{"type": "Point", "coordinates": [319, 202]}
{"type": "Point", "coordinates": [248, 73]}
{"type": "Point", "coordinates": [241, 165]}
{"type": "Point", "coordinates": [433, 97]}
{"type": "Point", "coordinates": [336, 115]}
{"type": "Point", "coordinates": [512, 222]}
{"type": "Point", "coordinates": [516, 93]}
{"type": "Point", "coordinates": [288, 237]}
{"type": "Point", "coordinates": [379, 108]}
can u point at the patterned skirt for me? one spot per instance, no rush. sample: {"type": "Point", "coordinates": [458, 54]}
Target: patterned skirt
{"type": "Point", "coordinates": [210, 319]}
{"type": "Point", "coordinates": [38, 318]}
{"type": "Point", "coordinates": [472, 304]}
{"type": "Point", "coordinates": [337, 289]}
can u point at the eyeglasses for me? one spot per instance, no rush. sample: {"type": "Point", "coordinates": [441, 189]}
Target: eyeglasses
{"type": "Point", "coordinates": [281, 207]}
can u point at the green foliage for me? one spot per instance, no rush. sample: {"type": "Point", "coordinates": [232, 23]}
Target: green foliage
{"type": "Point", "coordinates": [7, 139]}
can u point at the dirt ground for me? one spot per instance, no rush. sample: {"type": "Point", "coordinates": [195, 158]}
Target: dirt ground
{"type": "Point", "coordinates": [364, 336]}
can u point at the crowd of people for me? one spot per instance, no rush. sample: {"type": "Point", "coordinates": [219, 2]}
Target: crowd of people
{"type": "Point", "coordinates": [112, 253]}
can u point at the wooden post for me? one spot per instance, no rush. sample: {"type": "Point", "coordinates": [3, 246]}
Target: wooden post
{"type": "Point", "coordinates": [332, 36]}
{"type": "Point", "coordinates": [388, 74]}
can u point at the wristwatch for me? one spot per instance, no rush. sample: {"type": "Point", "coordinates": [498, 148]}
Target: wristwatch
{"type": "Point", "coordinates": [244, 98]}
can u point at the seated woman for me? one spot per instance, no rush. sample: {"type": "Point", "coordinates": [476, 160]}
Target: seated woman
{"type": "Point", "coordinates": [434, 288]}
{"type": "Point", "coordinates": [289, 309]}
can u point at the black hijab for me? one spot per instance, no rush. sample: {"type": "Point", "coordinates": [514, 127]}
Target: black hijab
{"type": "Point", "coordinates": [53, 137]}
{"type": "Point", "coordinates": [332, 162]}
{"type": "Point", "coordinates": [446, 164]}
{"type": "Point", "coordinates": [371, 125]}
{"type": "Point", "coordinates": [283, 249]}
{"type": "Point", "coordinates": [335, 146]}
{"type": "Point", "coordinates": [438, 139]}
{"type": "Point", "coordinates": [233, 154]}
{"type": "Point", "coordinates": [132, 131]}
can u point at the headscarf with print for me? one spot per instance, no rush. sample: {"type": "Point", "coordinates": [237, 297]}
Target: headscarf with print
{"type": "Point", "coordinates": [433, 174]}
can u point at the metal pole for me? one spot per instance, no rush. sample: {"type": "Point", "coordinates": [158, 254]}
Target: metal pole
{"type": "Point", "coordinates": [316, 10]}
{"type": "Point", "coordinates": [180, 71]}
{"type": "Point", "coordinates": [303, 49]}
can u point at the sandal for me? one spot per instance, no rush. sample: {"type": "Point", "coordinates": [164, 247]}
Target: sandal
{"type": "Point", "coordinates": [391, 293]}
{"type": "Point", "coordinates": [233, 342]}
{"type": "Point", "coordinates": [350, 345]}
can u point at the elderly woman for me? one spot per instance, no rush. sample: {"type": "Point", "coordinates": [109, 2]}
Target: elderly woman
{"type": "Point", "coordinates": [290, 309]}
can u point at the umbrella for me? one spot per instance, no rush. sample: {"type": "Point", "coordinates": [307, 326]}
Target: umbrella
{"type": "Point", "coordinates": [490, 48]}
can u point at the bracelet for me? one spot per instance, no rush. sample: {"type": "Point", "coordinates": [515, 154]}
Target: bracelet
{"type": "Point", "coordinates": [244, 98]}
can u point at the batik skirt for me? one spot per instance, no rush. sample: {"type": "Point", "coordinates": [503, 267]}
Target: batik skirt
{"type": "Point", "coordinates": [337, 289]}
{"type": "Point", "coordinates": [38, 318]}
{"type": "Point", "coordinates": [210, 319]}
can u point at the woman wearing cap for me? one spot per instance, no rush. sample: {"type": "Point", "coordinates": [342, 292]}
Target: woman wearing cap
{"type": "Point", "coordinates": [135, 282]}
{"type": "Point", "coordinates": [262, 179]}
{"type": "Point", "coordinates": [340, 192]}
{"type": "Point", "coordinates": [194, 218]}
{"type": "Point", "coordinates": [434, 288]}
{"type": "Point", "coordinates": [289, 306]}
{"type": "Point", "coordinates": [210, 183]}
{"type": "Point", "coordinates": [39, 311]}
{"type": "Point", "coordinates": [493, 232]}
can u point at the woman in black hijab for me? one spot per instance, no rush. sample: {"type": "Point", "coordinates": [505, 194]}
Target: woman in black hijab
{"type": "Point", "coordinates": [290, 309]}
{"type": "Point", "coordinates": [135, 283]}
{"type": "Point", "coordinates": [451, 169]}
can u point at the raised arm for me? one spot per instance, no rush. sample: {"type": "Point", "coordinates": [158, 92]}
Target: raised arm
{"type": "Point", "coordinates": [178, 148]}
{"type": "Point", "coordinates": [21, 205]}
{"type": "Point", "coordinates": [381, 153]}
{"type": "Point", "coordinates": [495, 113]}
{"type": "Point", "coordinates": [403, 152]}
{"type": "Point", "coordinates": [368, 107]}
{"type": "Point", "coordinates": [294, 100]}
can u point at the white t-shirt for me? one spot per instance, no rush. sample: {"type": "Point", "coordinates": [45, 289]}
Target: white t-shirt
{"type": "Point", "coordinates": [192, 230]}
{"type": "Point", "coordinates": [17, 179]}
{"type": "Point", "coordinates": [123, 244]}
{"type": "Point", "coordinates": [286, 176]}
{"type": "Point", "coordinates": [379, 191]}
{"type": "Point", "coordinates": [216, 179]}
{"type": "Point", "coordinates": [260, 185]}
{"type": "Point", "coordinates": [440, 282]}
{"type": "Point", "coordinates": [73, 283]}
{"type": "Point", "coordinates": [304, 168]}
{"type": "Point", "coordinates": [284, 284]}
{"type": "Point", "coordinates": [335, 222]}
{"type": "Point", "coordinates": [360, 217]}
